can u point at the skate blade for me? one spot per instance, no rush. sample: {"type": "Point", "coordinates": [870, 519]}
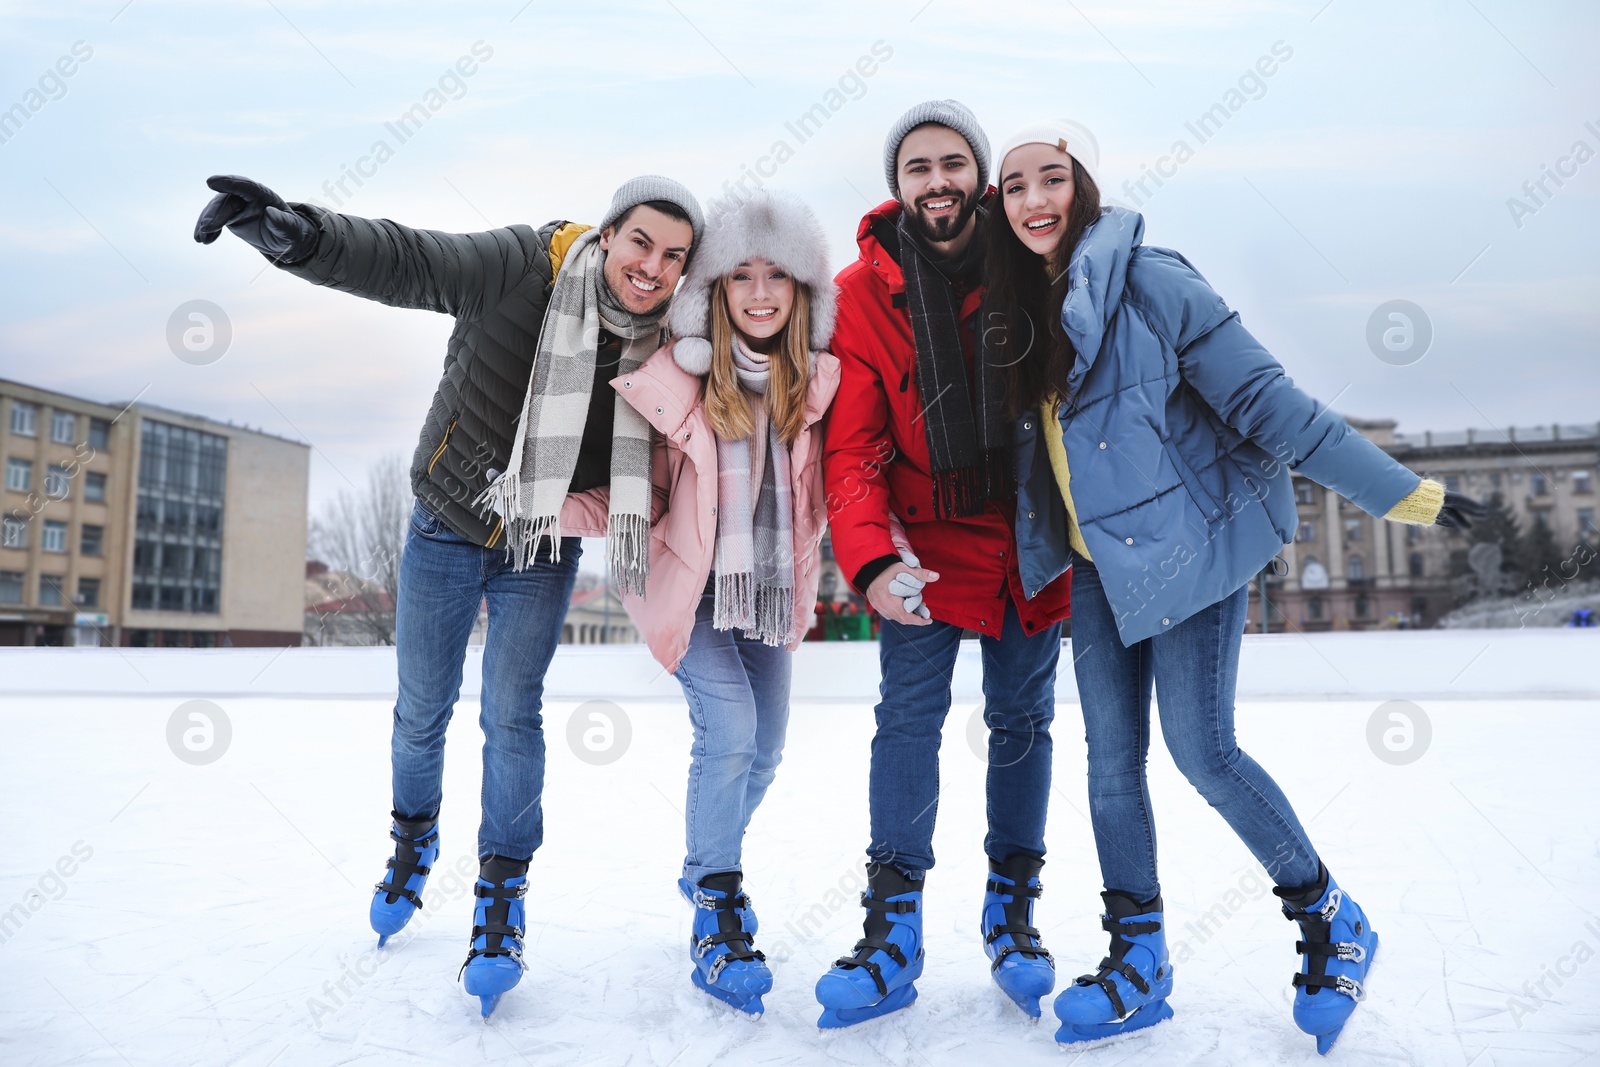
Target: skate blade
{"type": "Point", "coordinates": [1146, 1016]}
{"type": "Point", "coordinates": [1325, 1041]}
{"type": "Point", "coordinates": [749, 1003]}
{"type": "Point", "coordinates": [1026, 1001]}
{"type": "Point", "coordinates": [383, 939]}
{"type": "Point", "coordinates": [838, 1018]}
{"type": "Point", "coordinates": [489, 1003]}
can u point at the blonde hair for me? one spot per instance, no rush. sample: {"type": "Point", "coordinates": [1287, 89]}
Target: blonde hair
{"type": "Point", "coordinates": [789, 365]}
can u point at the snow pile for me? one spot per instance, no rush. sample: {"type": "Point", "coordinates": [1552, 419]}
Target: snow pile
{"type": "Point", "coordinates": [1543, 607]}
{"type": "Point", "coordinates": [157, 909]}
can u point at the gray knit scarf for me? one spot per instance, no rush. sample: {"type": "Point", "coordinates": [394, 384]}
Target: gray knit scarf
{"type": "Point", "coordinates": [529, 495]}
{"type": "Point", "coordinates": [755, 522]}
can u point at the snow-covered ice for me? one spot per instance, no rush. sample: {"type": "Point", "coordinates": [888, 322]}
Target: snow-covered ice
{"type": "Point", "coordinates": [154, 911]}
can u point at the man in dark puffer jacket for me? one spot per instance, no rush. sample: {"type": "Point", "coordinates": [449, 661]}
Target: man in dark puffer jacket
{"type": "Point", "coordinates": [497, 285]}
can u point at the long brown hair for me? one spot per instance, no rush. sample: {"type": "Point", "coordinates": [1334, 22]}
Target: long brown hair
{"type": "Point", "coordinates": [1022, 311]}
{"type": "Point", "coordinates": [789, 366]}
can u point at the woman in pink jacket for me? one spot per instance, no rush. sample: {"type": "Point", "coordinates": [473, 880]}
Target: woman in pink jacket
{"type": "Point", "coordinates": [734, 563]}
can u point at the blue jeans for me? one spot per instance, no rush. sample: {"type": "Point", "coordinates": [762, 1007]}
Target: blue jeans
{"type": "Point", "coordinates": [1195, 666]}
{"type": "Point", "coordinates": [738, 694]}
{"type": "Point", "coordinates": [1019, 695]}
{"type": "Point", "coordinates": [443, 579]}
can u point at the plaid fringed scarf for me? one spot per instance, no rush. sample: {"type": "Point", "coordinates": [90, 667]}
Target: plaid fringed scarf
{"type": "Point", "coordinates": [755, 522]}
{"type": "Point", "coordinates": [529, 495]}
{"type": "Point", "coordinates": [971, 460]}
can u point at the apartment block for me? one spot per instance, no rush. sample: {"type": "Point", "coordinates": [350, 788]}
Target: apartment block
{"type": "Point", "coordinates": [130, 524]}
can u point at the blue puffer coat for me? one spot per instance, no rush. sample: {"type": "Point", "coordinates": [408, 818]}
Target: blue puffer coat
{"type": "Point", "coordinates": [1180, 436]}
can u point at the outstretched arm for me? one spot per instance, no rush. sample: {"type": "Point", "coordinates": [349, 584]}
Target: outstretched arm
{"type": "Point", "coordinates": [459, 274]}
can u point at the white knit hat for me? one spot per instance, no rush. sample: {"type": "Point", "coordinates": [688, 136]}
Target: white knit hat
{"type": "Point", "coordinates": [1073, 138]}
{"type": "Point", "coordinates": [767, 223]}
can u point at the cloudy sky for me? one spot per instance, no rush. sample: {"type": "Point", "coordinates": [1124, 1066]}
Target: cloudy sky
{"type": "Point", "coordinates": [1378, 161]}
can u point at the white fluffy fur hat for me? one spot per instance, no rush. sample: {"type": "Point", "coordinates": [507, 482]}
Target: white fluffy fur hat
{"type": "Point", "coordinates": [773, 225]}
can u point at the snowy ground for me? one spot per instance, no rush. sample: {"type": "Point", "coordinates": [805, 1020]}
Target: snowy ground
{"type": "Point", "coordinates": [173, 913]}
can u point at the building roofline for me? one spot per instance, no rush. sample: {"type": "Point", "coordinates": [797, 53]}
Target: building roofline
{"type": "Point", "coordinates": [122, 407]}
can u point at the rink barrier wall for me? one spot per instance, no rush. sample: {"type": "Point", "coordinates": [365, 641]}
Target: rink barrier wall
{"type": "Point", "coordinates": [1423, 664]}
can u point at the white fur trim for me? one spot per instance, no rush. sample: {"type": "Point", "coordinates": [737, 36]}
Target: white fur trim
{"type": "Point", "coordinates": [770, 224]}
{"type": "Point", "coordinates": [692, 355]}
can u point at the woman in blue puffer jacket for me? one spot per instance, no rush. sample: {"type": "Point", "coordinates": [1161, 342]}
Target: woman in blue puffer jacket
{"type": "Point", "coordinates": [1154, 440]}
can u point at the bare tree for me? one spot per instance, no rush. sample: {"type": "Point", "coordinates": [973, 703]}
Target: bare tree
{"type": "Point", "coordinates": [361, 533]}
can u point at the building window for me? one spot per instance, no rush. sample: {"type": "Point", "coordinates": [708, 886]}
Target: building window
{"type": "Point", "coordinates": [55, 536]}
{"type": "Point", "coordinates": [1538, 484]}
{"type": "Point", "coordinates": [177, 559]}
{"type": "Point", "coordinates": [88, 593]}
{"type": "Point", "coordinates": [1308, 532]}
{"type": "Point", "coordinates": [94, 487]}
{"type": "Point", "coordinates": [16, 532]}
{"type": "Point", "coordinates": [50, 591]}
{"type": "Point", "coordinates": [19, 474]}
{"type": "Point", "coordinates": [1452, 484]}
{"type": "Point", "coordinates": [99, 431]}
{"type": "Point", "coordinates": [1363, 607]}
{"type": "Point", "coordinates": [10, 587]}
{"type": "Point", "coordinates": [1586, 528]}
{"type": "Point", "coordinates": [1413, 535]}
{"type": "Point", "coordinates": [1416, 564]}
{"type": "Point", "coordinates": [57, 483]}
{"type": "Point", "coordinates": [24, 419]}
{"type": "Point", "coordinates": [1315, 608]}
{"type": "Point", "coordinates": [1355, 569]}
{"type": "Point", "coordinates": [63, 427]}
{"type": "Point", "coordinates": [1582, 482]}
{"type": "Point", "coordinates": [91, 541]}
{"type": "Point", "coordinates": [1305, 492]}
{"type": "Point", "coordinates": [1541, 517]}
{"type": "Point", "coordinates": [1352, 529]}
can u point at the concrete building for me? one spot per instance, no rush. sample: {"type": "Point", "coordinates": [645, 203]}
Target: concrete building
{"type": "Point", "coordinates": [1347, 570]}
{"type": "Point", "coordinates": [134, 525]}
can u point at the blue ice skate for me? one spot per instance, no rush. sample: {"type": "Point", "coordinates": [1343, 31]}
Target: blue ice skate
{"type": "Point", "coordinates": [879, 977]}
{"type": "Point", "coordinates": [495, 964]}
{"type": "Point", "coordinates": [721, 944]}
{"type": "Point", "coordinates": [1129, 992]}
{"type": "Point", "coordinates": [399, 896]}
{"type": "Point", "coordinates": [1336, 954]}
{"type": "Point", "coordinates": [1022, 968]}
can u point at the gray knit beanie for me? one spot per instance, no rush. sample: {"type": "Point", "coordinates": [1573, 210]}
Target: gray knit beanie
{"type": "Point", "coordinates": [951, 113]}
{"type": "Point", "coordinates": [647, 187]}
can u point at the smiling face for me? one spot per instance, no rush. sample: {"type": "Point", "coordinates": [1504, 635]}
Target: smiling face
{"type": "Point", "coordinates": [645, 253]}
{"type": "Point", "coordinates": [938, 183]}
{"type": "Point", "coordinates": [760, 298]}
{"type": "Point", "coordinates": [1037, 190]}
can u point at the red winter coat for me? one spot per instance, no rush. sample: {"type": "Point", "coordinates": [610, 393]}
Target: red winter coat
{"type": "Point", "coordinates": [875, 458]}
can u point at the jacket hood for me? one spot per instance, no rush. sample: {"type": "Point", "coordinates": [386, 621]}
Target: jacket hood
{"type": "Point", "coordinates": [770, 224]}
{"type": "Point", "coordinates": [1096, 278]}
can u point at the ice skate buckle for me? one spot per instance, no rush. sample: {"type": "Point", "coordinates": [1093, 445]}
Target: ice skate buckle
{"type": "Point", "coordinates": [716, 968]}
{"type": "Point", "coordinates": [1331, 908]}
{"type": "Point", "coordinates": [1353, 951]}
{"type": "Point", "coordinates": [702, 946]}
{"type": "Point", "coordinates": [1351, 988]}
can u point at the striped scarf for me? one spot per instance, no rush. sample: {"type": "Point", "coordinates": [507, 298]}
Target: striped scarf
{"type": "Point", "coordinates": [755, 522]}
{"type": "Point", "coordinates": [529, 495]}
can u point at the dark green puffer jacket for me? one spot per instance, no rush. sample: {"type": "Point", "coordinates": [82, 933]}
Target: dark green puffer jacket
{"type": "Point", "coordinates": [496, 285]}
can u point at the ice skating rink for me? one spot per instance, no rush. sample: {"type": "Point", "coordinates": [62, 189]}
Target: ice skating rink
{"type": "Point", "coordinates": [158, 909]}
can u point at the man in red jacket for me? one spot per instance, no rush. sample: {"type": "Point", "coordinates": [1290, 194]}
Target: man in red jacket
{"type": "Point", "coordinates": [916, 434]}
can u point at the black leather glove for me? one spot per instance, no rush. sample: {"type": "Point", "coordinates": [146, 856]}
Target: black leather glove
{"type": "Point", "coordinates": [1459, 512]}
{"type": "Point", "coordinates": [258, 216]}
